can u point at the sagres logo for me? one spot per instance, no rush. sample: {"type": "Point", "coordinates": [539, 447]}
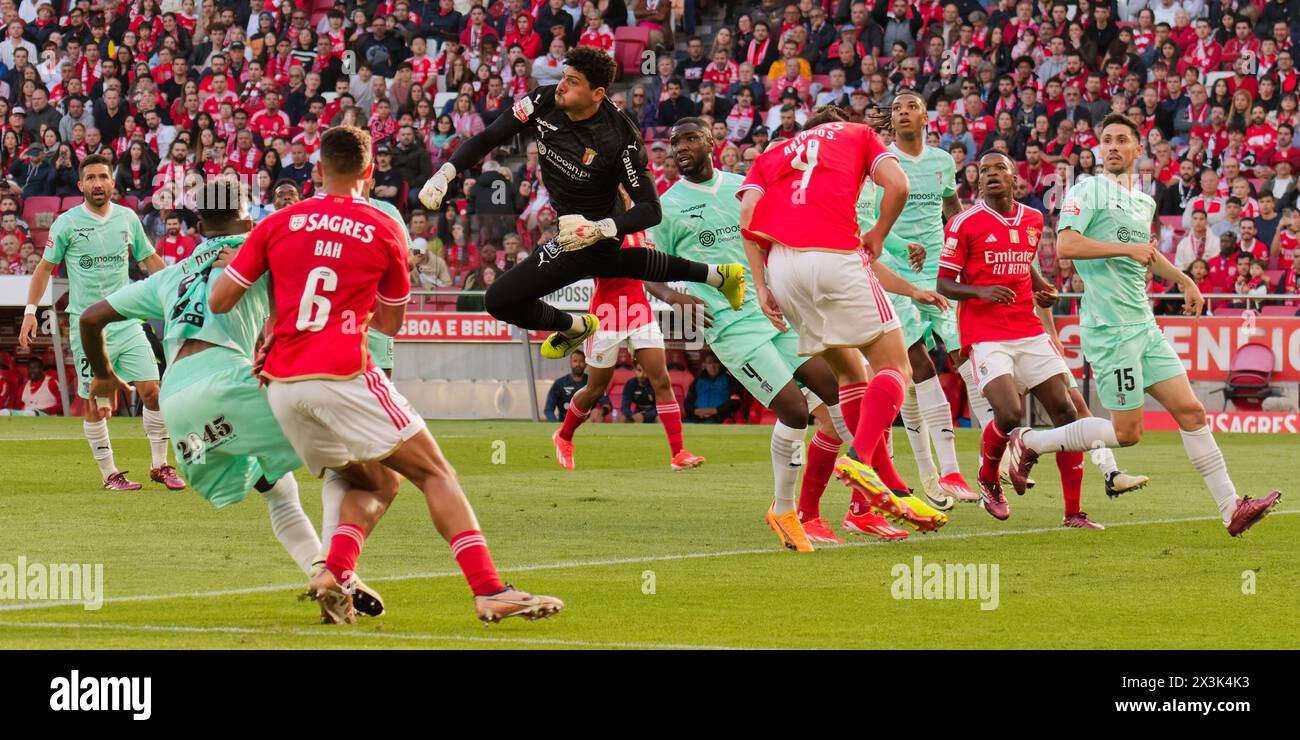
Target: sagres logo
{"type": "Point", "coordinates": [921, 580]}
{"type": "Point", "coordinates": [71, 582]}
{"type": "Point", "coordinates": [77, 693]}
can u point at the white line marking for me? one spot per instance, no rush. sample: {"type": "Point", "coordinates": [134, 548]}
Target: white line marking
{"type": "Point", "coordinates": [614, 561]}
{"type": "Point", "coordinates": [363, 635]}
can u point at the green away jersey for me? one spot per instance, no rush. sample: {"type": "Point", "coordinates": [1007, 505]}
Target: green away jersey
{"type": "Point", "coordinates": [701, 222]}
{"type": "Point", "coordinates": [1099, 208]}
{"type": "Point", "coordinates": [932, 177]}
{"type": "Point", "coordinates": [96, 252]}
{"type": "Point", "coordinates": [380, 344]}
{"type": "Point", "coordinates": [178, 296]}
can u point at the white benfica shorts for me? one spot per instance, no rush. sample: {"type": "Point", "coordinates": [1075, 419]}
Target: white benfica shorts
{"type": "Point", "coordinates": [334, 423]}
{"type": "Point", "coordinates": [1030, 361]}
{"type": "Point", "coordinates": [831, 299]}
{"type": "Point", "coordinates": [602, 347]}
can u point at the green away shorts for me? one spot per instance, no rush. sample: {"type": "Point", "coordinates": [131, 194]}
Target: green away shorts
{"type": "Point", "coordinates": [1126, 360]}
{"type": "Point", "coordinates": [129, 353]}
{"type": "Point", "coordinates": [223, 432]}
{"type": "Point", "coordinates": [919, 321]}
{"type": "Point", "coordinates": [381, 349]}
{"type": "Point", "coordinates": [760, 357]}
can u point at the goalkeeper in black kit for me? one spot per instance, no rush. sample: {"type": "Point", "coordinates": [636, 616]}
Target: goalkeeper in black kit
{"type": "Point", "coordinates": [587, 148]}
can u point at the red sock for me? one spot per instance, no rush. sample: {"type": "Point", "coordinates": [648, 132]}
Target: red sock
{"type": "Point", "coordinates": [883, 464]}
{"type": "Point", "coordinates": [879, 409]}
{"type": "Point", "coordinates": [471, 553]}
{"type": "Point", "coordinates": [820, 463]}
{"type": "Point", "coordinates": [345, 548]}
{"type": "Point", "coordinates": [573, 419]}
{"type": "Point", "coordinates": [992, 444]}
{"type": "Point", "coordinates": [851, 407]}
{"type": "Point", "coordinates": [1071, 466]}
{"type": "Point", "coordinates": [670, 415]}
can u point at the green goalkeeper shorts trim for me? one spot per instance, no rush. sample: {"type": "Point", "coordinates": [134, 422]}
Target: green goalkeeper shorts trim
{"type": "Point", "coordinates": [129, 353]}
{"type": "Point", "coordinates": [760, 357]}
{"type": "Point", "coordinates": [222, 429]}
{"type": "Point", "coordinates": [1126, 360]}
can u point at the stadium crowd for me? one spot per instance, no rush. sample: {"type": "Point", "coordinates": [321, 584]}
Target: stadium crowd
{"type": "Point", "coordinates": [176, 91]}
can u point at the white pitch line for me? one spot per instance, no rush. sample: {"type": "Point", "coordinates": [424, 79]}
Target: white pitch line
{"type": "Point", "coordinates": [364, 635]}
{"type": "Point", "coordinates": [613, 561]}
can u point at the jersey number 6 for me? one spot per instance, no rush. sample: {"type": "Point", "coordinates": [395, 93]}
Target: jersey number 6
{"type": "Point", "coordinates": [314, 309]}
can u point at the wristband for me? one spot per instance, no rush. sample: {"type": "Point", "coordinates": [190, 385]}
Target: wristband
{"type": "Point", "coordinates": [30, 310]}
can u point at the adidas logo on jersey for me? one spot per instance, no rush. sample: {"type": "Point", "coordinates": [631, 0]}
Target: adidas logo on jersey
{"type": "Point", "coordinates": [991, 240]}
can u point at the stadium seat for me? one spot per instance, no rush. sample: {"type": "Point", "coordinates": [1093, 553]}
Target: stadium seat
{"type": "Point", "coordinates": [70, 202]}
{"type": "Point", "coordinates": [1274, 278]}
{"type": "Point", "coordinates": [630, 43]}
{"type": "Point", "coordinates": [1278, 311]}
{"type": "Point", "coordinates": [1227, 312]}
{"type": "Point", "coordinates": [1249, 376]}
{"type": "Point", "coordinates": [682, 381]}
{"type": "Point", "coordinates": [39, 211]}
{"type": "Point", "coordinates": [130, 201]}
{"type": "Point", "coordinates": [39, 237]}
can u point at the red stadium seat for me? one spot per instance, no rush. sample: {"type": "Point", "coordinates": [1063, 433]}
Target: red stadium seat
{"type": "Point", "coordinates": [1226, 312]}
{"type": "Point", "coordinates": [70, 202]}
{"type": "Point", "coordinates": [39, 237]}
{"type": "Point", "coordinates": [682, 381]}
{"type": "Point", "coordinates": [1274, 278]}
{"type": "Point", "coordinates": [39, 211]}
{"type": "Point", "coordinates": [1278, 311]}
{"type": "Point", "coordinates": [630, 43]}
{"type": "Point", "coordinates": [1249, 376]}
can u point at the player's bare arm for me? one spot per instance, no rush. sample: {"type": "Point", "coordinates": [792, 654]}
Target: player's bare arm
{"type": "Point", "coordinates": [959, 291]}
{"type": "Point", "coordinates": [225, 294]}
{"type": "Point", "coordinates": [105, 384]}
{"type": "Point", "coordinates": [1045, 294]}
{"type": "Point", "coordinates": [153, 263]}
{"type": "Point", "coordinates": [951, 207]}
{"type": "Point", "coordinates": [1193, 302]}
{"type": "Point", "coordinates": [757, 266]}
{"type": "Point", "coordinates": [916, 256]}
{"type": "Point", "coordinates": [689, 303]}
{"type": "Point", "coordinates": [894, 283]}
{"type": "Point", "coordinates": [388, 319]}
{"type": "Point", "coordinates": [890, 177]}
{"type": "Point", "coordinates": [1076, 246]}
{"type": "Point", "coordinates": [35, 289]}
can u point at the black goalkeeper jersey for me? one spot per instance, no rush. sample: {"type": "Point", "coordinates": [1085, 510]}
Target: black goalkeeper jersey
{"type": "Point", "coordinates": [583, 162]}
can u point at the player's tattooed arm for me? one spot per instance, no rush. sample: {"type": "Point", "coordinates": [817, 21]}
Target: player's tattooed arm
{"type": "Point", "coordinates": [105, 384]}
{"type": "Point", "coordinates": [692, 307]}
{"type": "Point", "coordinates": [894, 283]}
{"type": "Point", "coordinates": [1076, 246]}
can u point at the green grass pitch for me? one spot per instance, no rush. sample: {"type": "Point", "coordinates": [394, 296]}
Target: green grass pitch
{"type": "Point", "coordinates": [179, 574]}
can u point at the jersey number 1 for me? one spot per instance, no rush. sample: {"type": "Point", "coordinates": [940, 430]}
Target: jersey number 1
{"type": "Point", "coordinates": [314, 309]}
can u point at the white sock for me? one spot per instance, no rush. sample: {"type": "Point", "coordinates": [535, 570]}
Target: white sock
{"type": "Point", "coordinates": [979, 405]}
{"type": "Point", "coordinates": [938, 417]}
{"type": "Point", "coordinates": [333, 489]}
{"type": "Point", "coordinates": [1077, 436]}
{"type": "Point", "coordinates": [159, 440]}
{"type": "Point", "coordinates": [837, 420]}
{"type": "Point", "coordinates": [290, 523]}
{"type": "Point", "coordinates": [917, 434]}
{"type": "Point", "coordinates": [578, 327]}
{"type": "Point", "coordinates": [1104, 459]}
{"type": "Point", "coordinates": [787, 458]}
{"type": "Point", "coordinates": [715, 277]}
{"type": "Point", "coordinates": [100, 446]}
{"type": "Point", "coordinates": [1207, 458]}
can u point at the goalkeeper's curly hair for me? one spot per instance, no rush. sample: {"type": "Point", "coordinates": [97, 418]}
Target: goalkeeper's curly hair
{"type": "Point", "coordinates": [597, 66]}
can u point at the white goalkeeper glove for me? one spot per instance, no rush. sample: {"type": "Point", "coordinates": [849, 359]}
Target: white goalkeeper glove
{"type": "Point", "coordinates": [435, 189]}
{"type": "Point", "coordinates": [576, 232]}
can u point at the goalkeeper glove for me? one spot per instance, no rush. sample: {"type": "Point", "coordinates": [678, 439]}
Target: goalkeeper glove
{"type": "Point", "coordinates": [435, 189]}
{"type": "Point", "coordinates": [576, 232]}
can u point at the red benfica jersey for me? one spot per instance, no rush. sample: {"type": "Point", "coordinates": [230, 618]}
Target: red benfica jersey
{"type": "Point", "coordinates": [269, 125]}
{"type": "Point", "coordinates": [984, 247]}
{"type": "Point", "coordinates": [176, 248]}
{"type": "Point", "coordinates": [330, 258]}
{"type": "Point", "coordinates": [620, 303]}
{"type": "Point", "coordinates": [810, 184]}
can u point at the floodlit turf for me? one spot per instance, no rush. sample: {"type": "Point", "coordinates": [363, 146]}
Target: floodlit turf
{"type": "Point", "coordinates": [648, 558]}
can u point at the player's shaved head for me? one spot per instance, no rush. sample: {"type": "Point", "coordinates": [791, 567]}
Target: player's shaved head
{"type": "Point", "coordinates": [345, 152]}
{"type": "Point", "coordinates": [692, 142]}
